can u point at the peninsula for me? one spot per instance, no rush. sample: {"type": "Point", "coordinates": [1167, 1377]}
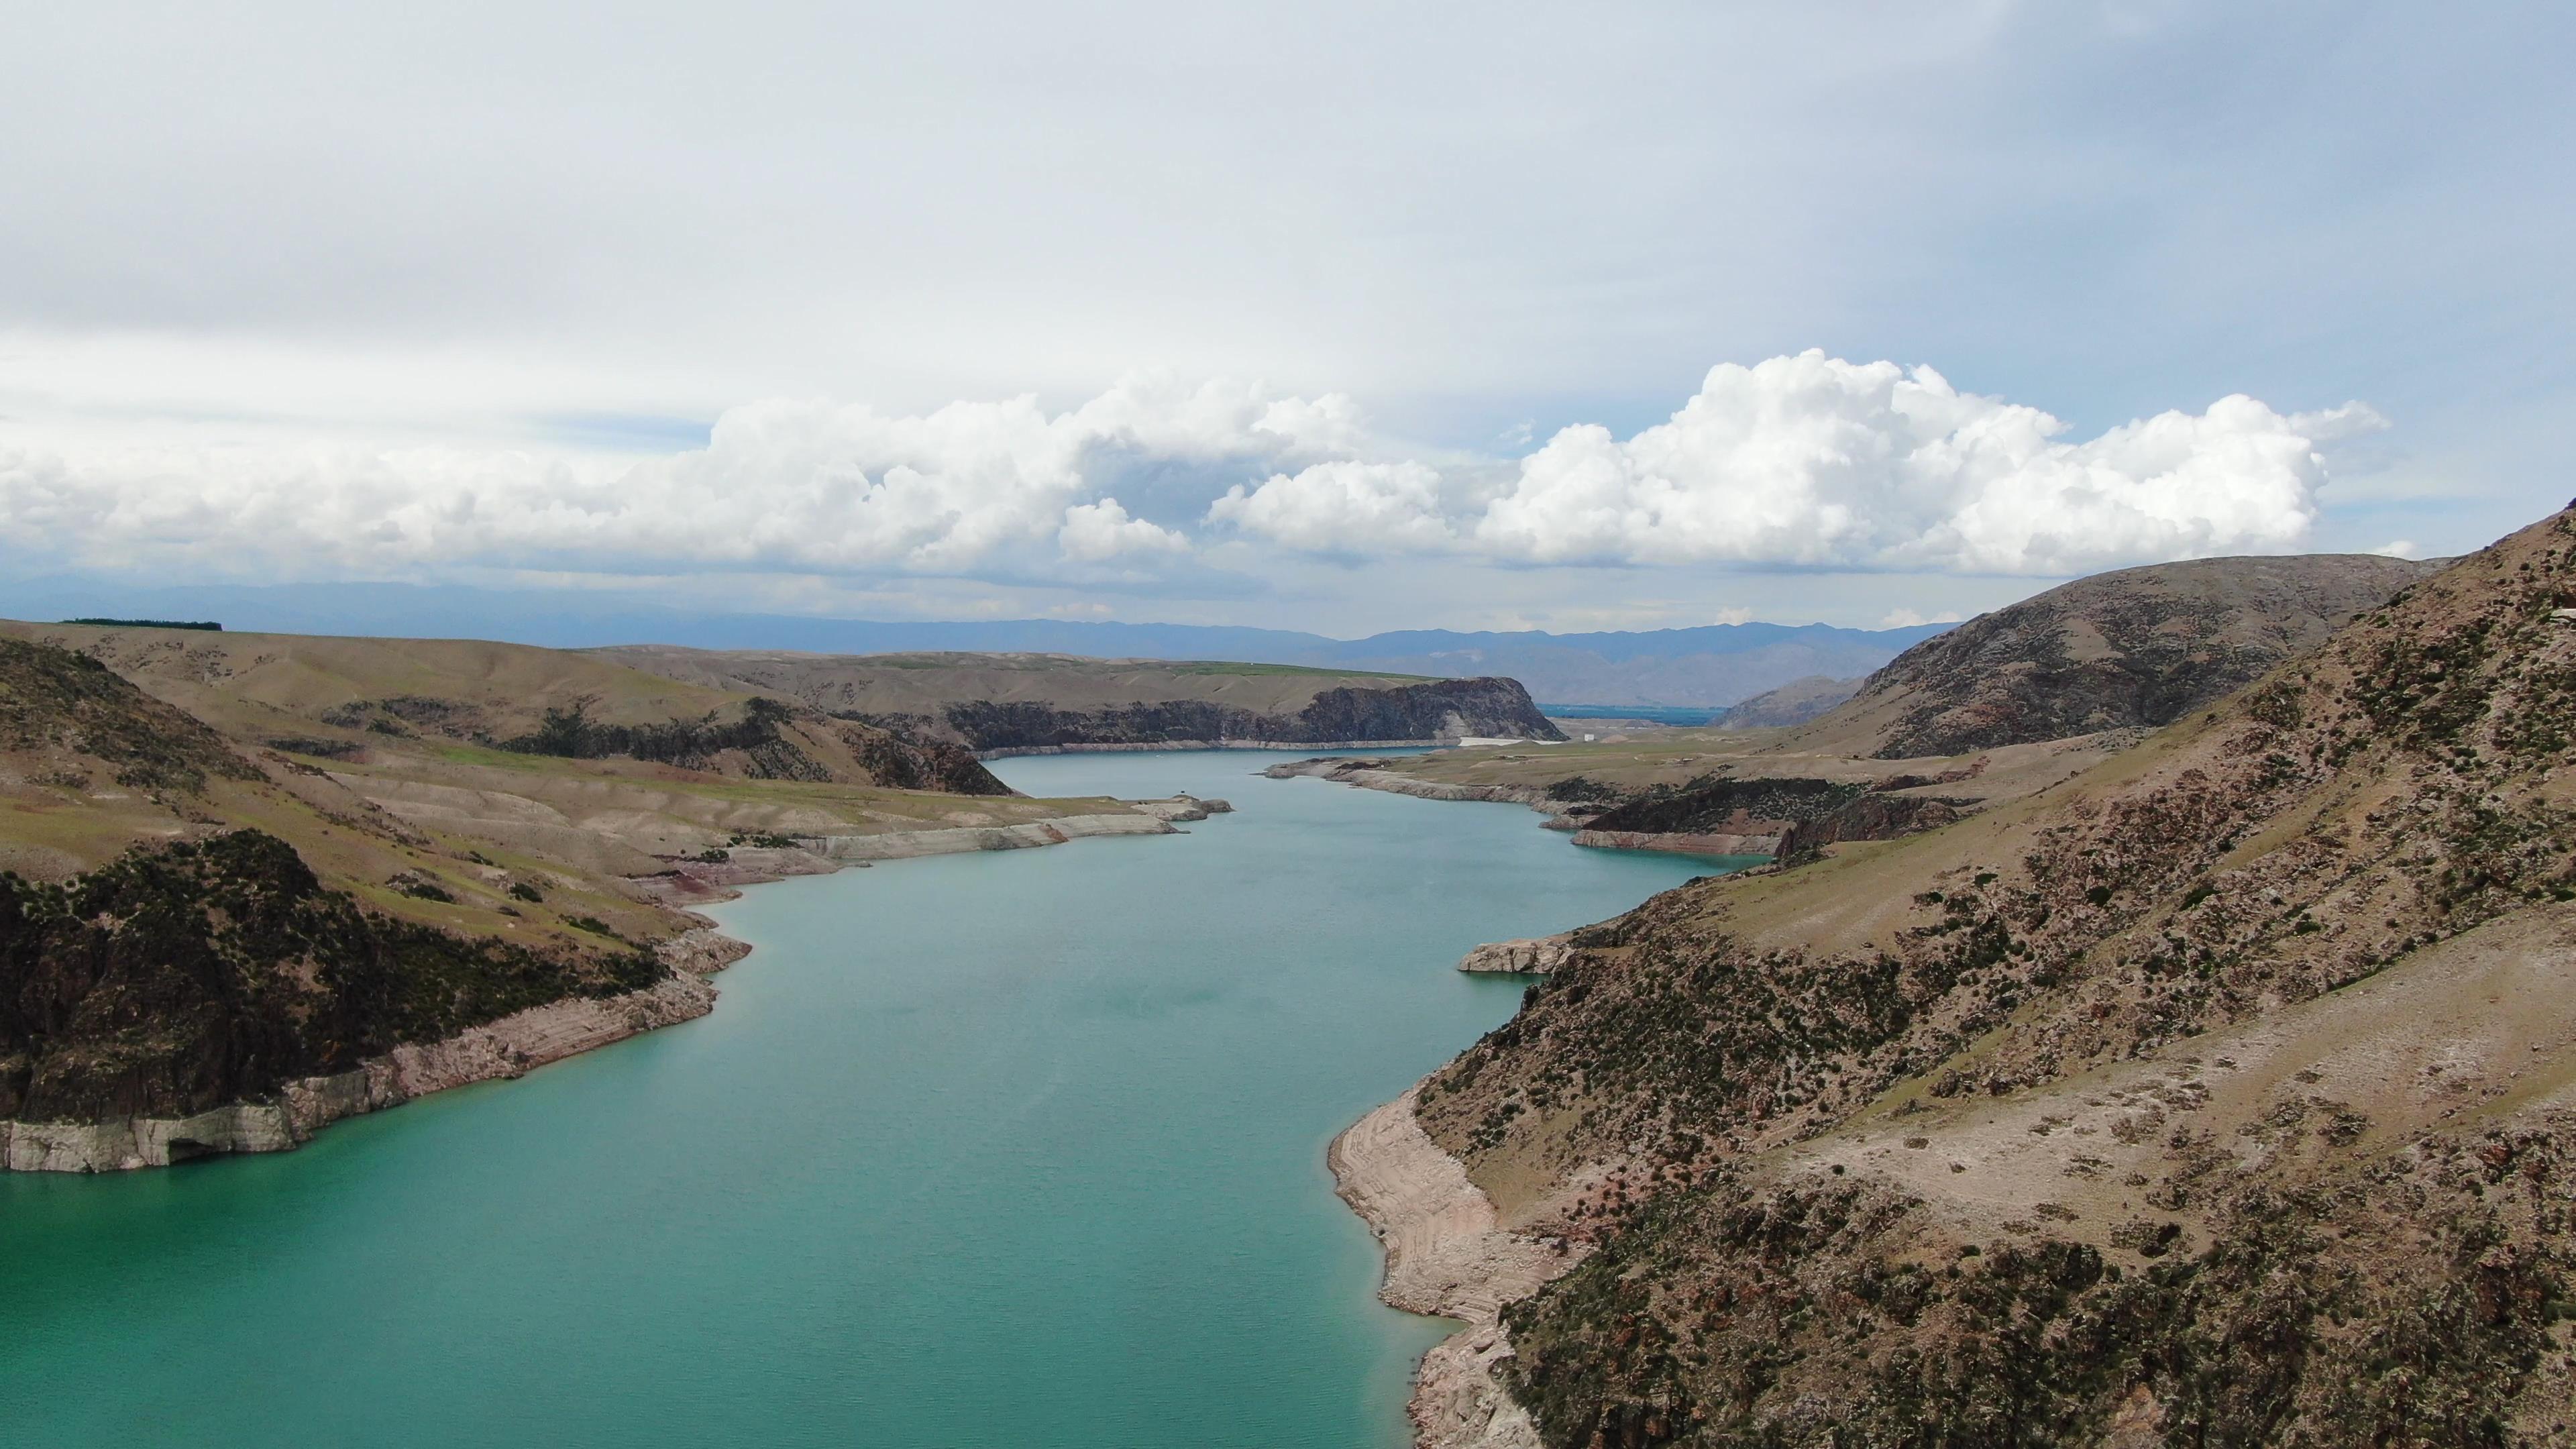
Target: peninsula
{"type": "Point", "coordinates": [252, 884]}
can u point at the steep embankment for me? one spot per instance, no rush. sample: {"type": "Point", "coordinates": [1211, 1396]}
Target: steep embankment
{"type": "Point", "coordinates": [2223, 1093]}
{"type": "Point", "coordinates": [1023, 702]}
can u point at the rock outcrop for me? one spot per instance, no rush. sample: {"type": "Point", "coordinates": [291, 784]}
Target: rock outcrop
{"type": "Point", "coordinates": [1395, 714]}
{"type": "Point", "coordinates": [177, 981]}
{"type": "Point", "coordinates": [289, 1116]}
{"type": "Point", "coordinates": [1530, 956]}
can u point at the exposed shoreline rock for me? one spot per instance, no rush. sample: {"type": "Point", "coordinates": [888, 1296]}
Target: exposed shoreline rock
{"type": "Point", "coordinates": [1007, 752]}
{"type": "Point", "coordinates": [509, 1047]}
{"type": "Point", "coordinates": [1682, 842]}
{"type": "Point", "coordinates": [1447, 1256]}
{"type": "Point", "coordinates": [1183, 808]}
{"type": "Point", "coordinates": [1531, 956]}
{"type": "Point", "coordinates": [1369, 775]}
{"type": "Point", "coordinates": [691, 881]}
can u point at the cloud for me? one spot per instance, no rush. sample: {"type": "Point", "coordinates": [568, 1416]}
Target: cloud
{"type": "Point", "coordinates": [2399, 548]}
{"type": "Point", "coordinates": [1901, 618]}
{"type": "Point", "coordinates": [1818, 462]}
{"type": "Point", "coordinates": [781, 484]}
{"type": "Point", "coordinates": [1343, 508]}
{"type": "Point", "coordinates": [1795, 462]}
{"type": "Point", "coordinates": [1099, 532]}
{"type": "Point", "coordinates": [1811, 460]}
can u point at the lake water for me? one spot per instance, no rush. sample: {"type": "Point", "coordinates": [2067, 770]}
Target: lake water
{"type": "Point", "coordinates": [1014, 1150]}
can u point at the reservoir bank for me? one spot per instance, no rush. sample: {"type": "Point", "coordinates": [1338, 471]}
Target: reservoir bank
{"type": "Point", "coordinates": [1010, 1149]}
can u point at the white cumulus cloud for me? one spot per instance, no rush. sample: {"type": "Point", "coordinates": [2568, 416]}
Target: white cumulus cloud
{"type": "Point", "coordinates": [1099, 532]}
{"type": "Point", "coordinates": [782, 484]}
{"type": "Point", "coordinates": [1343, 507]}
{"type": "Point", "coordinates": [1805, 461]}
{"type": "Point", "coordinates": [1814, 461]}
{"type": "Point", "coordinates": [1902, 618]}
{"type": "Point", "coordinates": [1817, 461]}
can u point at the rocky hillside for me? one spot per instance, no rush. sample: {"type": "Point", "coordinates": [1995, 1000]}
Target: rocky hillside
{"type": "Point", "coordinates": [2139, 647]}
{"type": "Point", "coordinates": [1042, 701]}
{"type": "Point", "coordinates": [379, 870]}
{"type": "Point", "coordinates": [210, 971]}
{"type": "Point", "coordinates": [337, 697]}
{"type": "Point", "coordinates": [2223, 1093]}
{"type": "Point", "coordinates": [166, 949]}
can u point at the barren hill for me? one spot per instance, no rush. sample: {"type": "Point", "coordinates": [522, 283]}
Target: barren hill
{"type": "Point", "coordinates": [2135, 647]}
{"type": "Point", "coordinates": [2222, 1093]}
{"type": "Point", "coordinates": [335, 697]}
{"type": "Point", "coordinates": [1796, 702]}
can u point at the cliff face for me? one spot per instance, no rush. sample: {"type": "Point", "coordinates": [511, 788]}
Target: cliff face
{"type": "Point", "coordinates": [2139, 647]}
{"type": "Point", "coordinates": [1444, 709]}
{"type": "Point", "coordinates": [2225, 1093]}
{"type": "Point", "coordinates": [769, 740]}
{"type": "Point", "coordinates": [212, 971]}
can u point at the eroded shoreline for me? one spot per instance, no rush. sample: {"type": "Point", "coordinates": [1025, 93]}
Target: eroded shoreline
{"type": "Point", "coordinates": [1447, 1256]}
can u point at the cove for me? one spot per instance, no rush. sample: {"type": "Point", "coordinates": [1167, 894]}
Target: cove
{"type": "Point", "coordinates": [1019, 1149]}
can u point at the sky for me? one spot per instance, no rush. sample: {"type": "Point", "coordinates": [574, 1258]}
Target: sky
{"type": "Point", "coordinates": [1328, 317]}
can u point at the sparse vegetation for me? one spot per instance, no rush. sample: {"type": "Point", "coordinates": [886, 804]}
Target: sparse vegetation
{"type": "Point", "coordinates": [2333, 1279]}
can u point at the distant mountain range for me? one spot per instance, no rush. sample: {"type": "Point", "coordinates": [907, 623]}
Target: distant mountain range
{"type": "Point", "coordinates": [1711, 666]}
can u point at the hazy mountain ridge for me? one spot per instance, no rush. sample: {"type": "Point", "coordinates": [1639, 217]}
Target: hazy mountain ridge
{"type": "Point", "coordinates": [1712, 665]}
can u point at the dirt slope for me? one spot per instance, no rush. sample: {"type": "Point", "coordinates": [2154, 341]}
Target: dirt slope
{"type": "Point", "coordinates": [2220, 1094]}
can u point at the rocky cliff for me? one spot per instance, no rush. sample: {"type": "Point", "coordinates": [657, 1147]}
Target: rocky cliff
{"type": "Point", "coordinates": [2223, 1093]}
{"type": "Point", "coordinates": [207, 972]}
{"type": "Point", "coordinates": [1445, 709]}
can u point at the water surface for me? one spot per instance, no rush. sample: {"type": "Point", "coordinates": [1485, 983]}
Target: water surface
{"type": "Point", "coordinates": [1021, 1149]}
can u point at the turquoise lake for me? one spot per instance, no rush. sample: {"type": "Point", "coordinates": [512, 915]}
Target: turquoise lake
{"type": "Point", "coordinates": [1016, 1150]}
